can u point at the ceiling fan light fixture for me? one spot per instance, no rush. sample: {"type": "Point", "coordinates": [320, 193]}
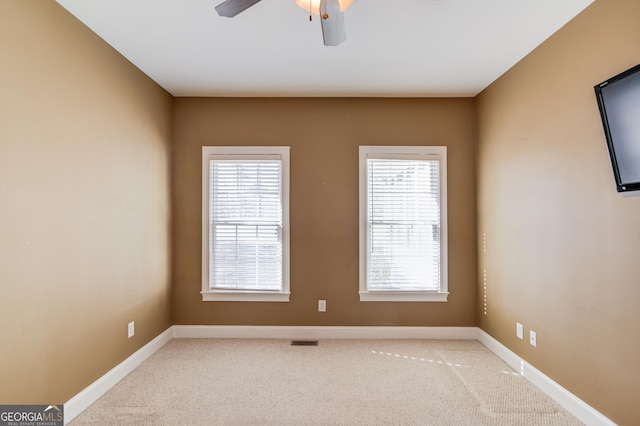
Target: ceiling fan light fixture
{"type": "Point", "coordinates": [313, 6]}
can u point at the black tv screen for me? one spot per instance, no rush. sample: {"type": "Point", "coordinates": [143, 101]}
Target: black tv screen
{"type": "Point", "coordinates": [619, 103]}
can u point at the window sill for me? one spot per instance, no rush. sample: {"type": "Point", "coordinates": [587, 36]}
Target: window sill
{"type": "Point", "coordinates": [403, 296]}
{"type": "Point", "coordinates": [244, 296]}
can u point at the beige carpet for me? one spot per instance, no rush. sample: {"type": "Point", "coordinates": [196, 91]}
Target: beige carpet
{"type": "Point", "coordinates": [339, 382]}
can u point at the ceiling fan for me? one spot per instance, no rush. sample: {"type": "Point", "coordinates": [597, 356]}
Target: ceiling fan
{"type": "Point", "coordinates": [330, 11]}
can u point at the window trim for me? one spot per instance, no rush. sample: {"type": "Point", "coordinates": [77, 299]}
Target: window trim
{"type": "Point", "coordinates": [230, 295]}
{"type": "Point", "coordinates": [436, 152]}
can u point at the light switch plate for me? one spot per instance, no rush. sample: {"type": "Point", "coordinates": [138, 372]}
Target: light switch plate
{"type": "Point", "coordinates": [520, 331]}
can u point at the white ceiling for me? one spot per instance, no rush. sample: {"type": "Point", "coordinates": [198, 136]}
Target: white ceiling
{"type": "Point", "coordinates": [394, 48]}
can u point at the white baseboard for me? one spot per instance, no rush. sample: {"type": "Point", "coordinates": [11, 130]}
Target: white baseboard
{"type": "Point", "coordinates": [90, 394]}
{"type": "Point", "coordinates": [581, 410]}
{"type": "Point", "coordinates": [320, 332]}
{"type": "Point", "coordinates": [566, 399]}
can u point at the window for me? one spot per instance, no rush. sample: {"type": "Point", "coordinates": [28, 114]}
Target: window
{"type": "Point", "coordinates": [403, 232]}
{"type": "Point", "coordinates": [245, 223]}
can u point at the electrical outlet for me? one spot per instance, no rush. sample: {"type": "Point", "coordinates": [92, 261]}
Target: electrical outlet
{"type": "Point", "coordinates": [532, 337]}
{"type": "Point", "coordinates": [322, 306]}
{"type": "Point", "coordinates": [519, 331]}
{"type": "Point", "coordinates": [131, 329]}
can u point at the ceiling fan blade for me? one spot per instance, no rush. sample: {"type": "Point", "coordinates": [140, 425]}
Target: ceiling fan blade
{"type": "Point", "coordinates": [332, 20]}
{"type": "Point", "coordinates": [231, 8]}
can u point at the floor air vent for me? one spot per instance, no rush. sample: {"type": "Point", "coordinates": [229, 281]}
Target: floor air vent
{"type": "Point", "coordinates": [304, 343]}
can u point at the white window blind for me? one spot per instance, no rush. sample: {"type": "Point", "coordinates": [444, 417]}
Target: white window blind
{"type": "Point", "coordinates": [402, 223]}
{"type": "Point", "coordinates": [403, 216]}
{"type": "Point", "coordinates": [245, 216]}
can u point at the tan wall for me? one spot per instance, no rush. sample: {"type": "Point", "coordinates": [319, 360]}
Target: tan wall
{"type": "Point", "coordinates": [84, 213]}
{"type": "Point", "coordinates": [561, 245]}
{"type": "Point", "coordinates": [324, 135]}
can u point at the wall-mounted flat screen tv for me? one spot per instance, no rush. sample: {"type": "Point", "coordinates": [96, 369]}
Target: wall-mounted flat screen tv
{"type": "Point", "coordinates": [619, 103]}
